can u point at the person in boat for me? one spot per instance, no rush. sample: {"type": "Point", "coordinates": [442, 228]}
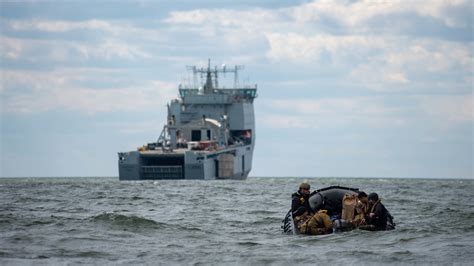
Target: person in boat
{"type": "Point", "coordinates": [362, 209]}
{"type": "Point", "coordinates": [377, 218]}
{"type": "Point", "coordinates": [305, 220]}
{"type": "Point", "coordinates": [300, 201]}
{"type": "Point", "coordinates": [318, 224]}
{"type": "Point", "coordinates": [300, 209]}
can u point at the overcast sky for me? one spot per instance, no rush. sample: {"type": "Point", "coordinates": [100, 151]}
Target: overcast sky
{"type": "Point", "coordinates": [345, 88]}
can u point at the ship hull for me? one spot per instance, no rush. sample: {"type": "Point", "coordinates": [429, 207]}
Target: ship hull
{"type": "Point", "coordinates": [232, 163]}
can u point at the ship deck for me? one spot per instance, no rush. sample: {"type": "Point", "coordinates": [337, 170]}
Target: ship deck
{"type": "Point", "coordinates": [182, 151]}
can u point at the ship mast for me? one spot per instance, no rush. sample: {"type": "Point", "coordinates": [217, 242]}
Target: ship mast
{"type": "Point", "coordinates": [212, 75]}
{"type": "Point", "coordinates": [208, 86]}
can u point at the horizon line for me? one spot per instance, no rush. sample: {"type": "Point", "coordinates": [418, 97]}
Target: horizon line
{"type": "Point", "coordinates": [293, 177]}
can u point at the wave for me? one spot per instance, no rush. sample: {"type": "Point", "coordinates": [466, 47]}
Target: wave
{"type": "Point", "coordinates": [92, 254]}
{"type": "Point", "coordinates": [266, 221]}
{"type": "Point", "coordinates": [137, 198]}
{"type": "Point", "coordinates": [248, 243]}
{"type": "Point", "coordinates": [127, 222]}
{"type": "Point", "coordinates": [40, 222]}
{"type": "Point", "coordinates": [262, 212]}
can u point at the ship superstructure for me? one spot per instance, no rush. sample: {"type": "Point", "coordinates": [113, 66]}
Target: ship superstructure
{"type": "Point", "coordinates": [209, 134]}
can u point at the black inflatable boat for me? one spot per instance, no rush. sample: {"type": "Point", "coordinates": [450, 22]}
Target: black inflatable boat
{"type": "Point", "coordinates": [328, 198]}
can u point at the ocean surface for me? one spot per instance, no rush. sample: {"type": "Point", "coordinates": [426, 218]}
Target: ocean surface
{"type": "Point", "coordinates": [50, 221]}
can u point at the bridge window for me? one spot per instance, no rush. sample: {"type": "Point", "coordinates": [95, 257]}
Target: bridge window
{"type": "Point", "coordinates": [196, 135]}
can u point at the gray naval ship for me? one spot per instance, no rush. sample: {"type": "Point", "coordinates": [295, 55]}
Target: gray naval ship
{"type": "Point", "coordinates": [209, 134]}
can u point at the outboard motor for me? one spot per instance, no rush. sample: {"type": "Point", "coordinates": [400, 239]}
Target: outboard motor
{"type": "Point", "coordinates": [288, 224]}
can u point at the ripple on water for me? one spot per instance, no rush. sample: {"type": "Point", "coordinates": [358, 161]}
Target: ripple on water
{"type": "Point", "coordinates": [129, 222]}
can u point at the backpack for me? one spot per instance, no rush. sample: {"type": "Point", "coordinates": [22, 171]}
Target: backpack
{"type": "Point", "coordinates": [349, 203]}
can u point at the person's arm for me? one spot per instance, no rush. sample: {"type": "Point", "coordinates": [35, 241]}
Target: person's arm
{"type": "Point", "coordinates": [374, 217]}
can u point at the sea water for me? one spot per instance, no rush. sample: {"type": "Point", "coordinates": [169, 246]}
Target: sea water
{"type": "Point", "coordinates": [102, 220]}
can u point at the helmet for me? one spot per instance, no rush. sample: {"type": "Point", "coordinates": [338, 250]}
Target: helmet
{"type": "Point", "coordinates": [305, 185]}
{"type": "Point", "coordinates": [373, 197]}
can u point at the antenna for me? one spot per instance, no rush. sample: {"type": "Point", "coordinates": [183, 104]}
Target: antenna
{"type": "Point", "coordinates": [236, 75]}
{"type": "Point", "coordinates": [216, 84]}
{"type": "Point", "coordinates": [211, 76]}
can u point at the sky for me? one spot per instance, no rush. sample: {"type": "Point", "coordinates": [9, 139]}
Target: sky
{"type": "Point", "coordinates": [345, 88]}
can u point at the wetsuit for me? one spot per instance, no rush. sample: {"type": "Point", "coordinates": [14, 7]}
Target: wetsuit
{"type": "Point", "coordinates": [299, 204]}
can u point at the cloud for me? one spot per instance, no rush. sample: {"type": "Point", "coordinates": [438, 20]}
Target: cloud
{"type": "Point", "coordinates": [417, 63]}
{"type": "Point", "coordinates": [342, 35]}
{"type": "Point", "coordinates": [31, 91]}
{"type": "Point", "coordinates": [436, 55]}
{"type": "Point", "coordinates": [292, 35]}
{"type": "Point", "coordinates": [338, 35]}
{"type": "Point", "coordinates": [399, 51]}
{"type": "Point", "coordinates": [34, 50]}
{"type": "Point", "coordinates": [11, 48]}
{"type": "Point", "coordinates": [45, 40]}
{"type": "Point", "coordinates": [361, 12]}
{"type": "Point", "coordinates": [378, 62]}
{"type": "Point", "coordinates": [379, 77]}
{"type": "Point", "coordinates": [335, 17]}
{"type": "Point", "coordinates": [113, 28]}
{"type": "Point", "coordinates": [332, 113]}
{"type": "Point", "coordinates": [368, 112]}
{"type": "Point", "coordinates": [299, 47]}
{"type": "Point", "coordinates": [62, 26]}
{"type": "Point", "coordinates": [251, 18]}
{"type": "Point", "coordinates": [238, 31]}
{"type": "Point", "coordinates": [349, 14]}
{"type": "Point", "coordinates": [110, 49]}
